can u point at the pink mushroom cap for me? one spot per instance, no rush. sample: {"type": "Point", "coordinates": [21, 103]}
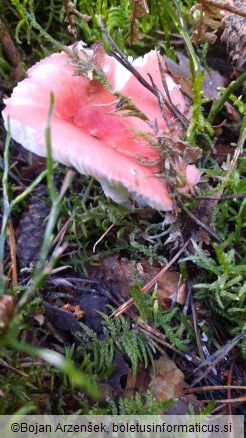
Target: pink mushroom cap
{"type": "Point", "coordinates": [86, 136]}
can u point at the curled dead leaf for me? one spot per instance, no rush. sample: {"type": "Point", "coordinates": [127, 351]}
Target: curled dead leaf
{"type": "Point", "coordinates": [76, 310]}
{"type": "Point", "coordinates": [181, 73]}
{"type": "Point", "coordinates": [208, 20]}
{"type": "Point", "coordinates": [171, 288]}
{"type": "Point", "coordinates": [6, 311]}
{"type": "Point", "coordinates": [39, 317]}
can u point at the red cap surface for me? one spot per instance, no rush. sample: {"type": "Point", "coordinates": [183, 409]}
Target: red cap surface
{"type": "Point", "coordinates": [83, 133]}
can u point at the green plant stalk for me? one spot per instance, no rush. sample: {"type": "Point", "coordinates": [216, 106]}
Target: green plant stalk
{"type": "Point", "coordinates": [32, 186]}
{"type": "Point", "coordinates": [40, 272]}
{"type": "Point", "coordinates": [47, 36]}
{"type": "Point", "coordinates": [6, 209]}
{"type": "Point", "coordinates": [58, 361]}
{"type": "Point", "coordinates": [56, 203]}
{"type": "Point", "coordinates": [8, 206]}
{"type": "Point", "coordinates": [198, 123]}
{"type": "Point", "coordinates": [50, 173]}
{"type": "Point", "coordinates": [218, 105]}
{"type": "Point", "coordinates": [195, 64]}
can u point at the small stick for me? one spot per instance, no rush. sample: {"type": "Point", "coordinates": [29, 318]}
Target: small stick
{"type": "Point", "coordinates": [223, 198]}
{"type": "Point", "coordinates": [60, 235]}
{"type": "Point", "coordinates": [102, 237]}
{"type": "Point", "coordinates": [212, 388]}
{"type": "Point", "coordinates": [6, 365]}
{"type": "Point", "coordinates": [212, 360]}
{"type": "Point", "coordinates": [199, 222]}
{"type": "Point", "coordinates": [197, 335]}
{"type": "Point", "coordinates": [226, 7]}
{"type": "Point", "coordinates": [230, 374]}
{"type": "Point", "coordinates": [234, 400]}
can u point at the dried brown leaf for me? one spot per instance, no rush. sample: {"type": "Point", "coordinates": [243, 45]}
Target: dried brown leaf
{"type": "Point", "coordinates": [167, 381]}
{"type": "Point", "coordinates": [6, 311]}
{"type": "Point", "coordinates": [118, 273]}
{"type": "Point", "coordinates": [76, 310]}
{"type": "Point", "coordinates": [181, 73]}
{"type": "Point", "coordinates": [208, 22]}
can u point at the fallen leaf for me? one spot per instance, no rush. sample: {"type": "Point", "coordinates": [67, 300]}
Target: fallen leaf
{"type": "Point", "coordinates": [118, 274]}
{"type": "Point", "coordinates": [76, 310]}
{"type": "Point", "coordinates": [208, 21]}
{"type": "Point", "coordinates": [39, 317]}
{"type": "Point", "coordinates": [62, 319]}
{"type": "Point", "coordinates": [167, 381]}
{"type": "Point", "coordinates": [138, 382]}
{"type": "Point", "coordinates": [6, 311]}
{"type": "Point", "coordinates": [181, 73]}
{"type": "Point", "coordinates": [170, 288]}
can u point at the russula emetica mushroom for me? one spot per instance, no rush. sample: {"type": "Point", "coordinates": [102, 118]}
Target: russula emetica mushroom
{"type": "Point", "coordinates": [87, 134]}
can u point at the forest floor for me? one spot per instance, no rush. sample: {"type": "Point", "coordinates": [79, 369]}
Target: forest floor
{"type": "Point", "coordinates": [114, 309]}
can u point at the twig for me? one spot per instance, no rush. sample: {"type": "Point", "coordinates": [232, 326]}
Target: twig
{"type": "Point", "coordinates": [151, 340]}
{"type": "Point", "coordinates": [212, 388]}
{"type": "Point", "coordinates": [236, 155]}
{"type": "Point", "coordinates": [70, 9]}
{"type": "Point", "coordinates": [230, 374]}
{"type": "Point", "coordinates": [198, 340]}
{"type": "Point", "coordinates": [233, 163]}
{"type": "Point", "coordinates": [102, 237]}
{"type": "Point", "coordinates": [60, 235]}
{"type": "Point", "coordinates": [226, 7]}
{"type": "Point", "coordinates": [6, 365]}
{"type": "Point", "coordinates": [159, 337]}
{"type": "Point", "coordinates": [199, 222]}
{"type": "Point", "coordinates": [234, 400]}
{"type": "Point", "coordinates": [152, 333]}
{"type": "Point", "coordinates": [223, 198]}
{"type": "Point", "coordinates": [212, 360]}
